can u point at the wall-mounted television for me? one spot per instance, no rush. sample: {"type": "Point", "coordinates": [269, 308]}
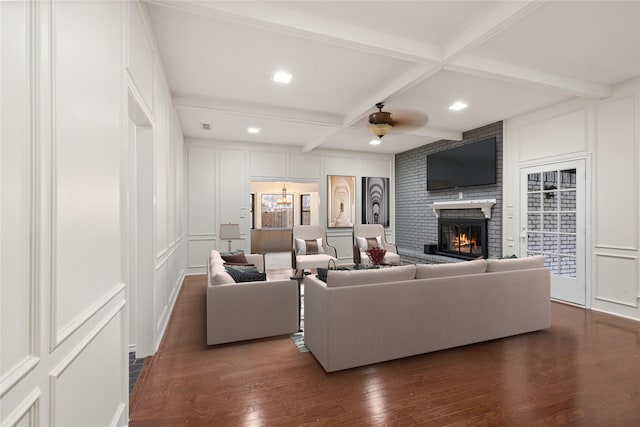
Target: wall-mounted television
{"type": "Point", "coordinates": [463, 166]}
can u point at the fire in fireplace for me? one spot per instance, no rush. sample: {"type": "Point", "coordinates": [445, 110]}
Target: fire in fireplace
{"type": "Point", "coordinates": [462, 238]}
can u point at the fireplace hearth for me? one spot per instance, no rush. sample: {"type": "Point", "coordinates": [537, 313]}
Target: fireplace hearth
{"type": "Point", "coordinates": [462, 238]}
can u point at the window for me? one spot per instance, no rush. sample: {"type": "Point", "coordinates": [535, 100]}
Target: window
{"type": "Point", "coordinates": [305, 209]}
{"type": "Point", "coordinates": [277, 211]}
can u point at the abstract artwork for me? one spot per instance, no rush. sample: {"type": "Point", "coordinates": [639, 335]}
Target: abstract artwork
{"type": "Point", "coordinates": [375, 201]}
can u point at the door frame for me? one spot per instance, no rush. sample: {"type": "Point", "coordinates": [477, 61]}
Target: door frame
{"type": "Point", "coordinates": [588, 191]}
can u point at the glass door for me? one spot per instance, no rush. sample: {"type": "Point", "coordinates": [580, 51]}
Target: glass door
{"type": "Point", "coordinates": [553, 225]}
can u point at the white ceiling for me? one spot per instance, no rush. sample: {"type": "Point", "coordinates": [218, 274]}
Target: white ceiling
{"type": "Point", "coordinates": [503, 58]}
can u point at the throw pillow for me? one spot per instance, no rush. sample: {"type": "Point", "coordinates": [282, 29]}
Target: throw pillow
{"type": "Point", "coordinates": [236, 257]}
{"type": "Point", "coordinates": [245, 273]}
{"type": "Point", "coordinates": [303, 249]}
{"type": "Point", "coordinates": [365, 243]}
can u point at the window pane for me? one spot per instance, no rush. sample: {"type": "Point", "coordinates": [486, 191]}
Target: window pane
{"type": "Point", "coordinates": [534, 182]}
{"type": "Point", "coordinates": [550, 222]}
{"type": "Point", "coordinates": [550, 180]}
{"type": "Point", "coordinates": [550, 242]}
{"type": "Point", "coordinates": [277, 212]}
{"type": "Point", "coordinates": [568, 200]}
{"type": "Point", "coordinates": [534, 202]}
{"type": "Point", "coordinates": [568, 223]}
{"type": "Point", "coordinates": [534, 221]}
{"type": "Point", "coordinates": [534, 242]}
{"type": "Point", "coordinates": [550, 201]}
{"type": "Point", "coordinates": [568, 266]}
{"type": "Point", "coordinates": [567, 244]}
{"type": "Point", "coordinates": [568, 178]}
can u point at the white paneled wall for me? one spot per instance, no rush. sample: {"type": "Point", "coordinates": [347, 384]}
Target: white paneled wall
{"type": "Point", "coordinates": [219, 177]}
{"type": "Point", "coordinates": [156, 293]}
{"type": "Point", "coordinates": [608, 133]}
{"type": "Point", "coordinates": [71, 163]}
{"type": "Point", "coordinates": [63, 284]}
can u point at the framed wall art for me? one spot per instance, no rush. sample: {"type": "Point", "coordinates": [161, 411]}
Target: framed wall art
{"type": "Point", "coordinates": [375, 200]}
{"type": "Point", "coordinates": [341, 203]}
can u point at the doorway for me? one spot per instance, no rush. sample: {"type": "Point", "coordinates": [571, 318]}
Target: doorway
{"type": "Point", "coordinates": [553, 224]}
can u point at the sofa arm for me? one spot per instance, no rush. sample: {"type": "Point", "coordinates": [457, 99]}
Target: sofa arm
{"type": "Point", "coordinates": [257, 260]}
{"type": "Point", "coordinates": [249, 310]}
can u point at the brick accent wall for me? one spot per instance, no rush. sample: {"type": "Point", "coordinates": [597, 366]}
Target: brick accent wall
{"type": "Point", "coordinates": [416, 223]}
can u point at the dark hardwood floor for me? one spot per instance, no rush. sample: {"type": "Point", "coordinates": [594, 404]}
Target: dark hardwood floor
{"type": "Point", "coordinates": [583, 371]}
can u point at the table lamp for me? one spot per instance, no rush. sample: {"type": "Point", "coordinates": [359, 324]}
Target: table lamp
{"type": "Point", "coordinates": [229, 232]}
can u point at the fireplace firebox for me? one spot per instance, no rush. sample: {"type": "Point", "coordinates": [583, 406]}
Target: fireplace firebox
{"type": "Point", "coordinates": [462, 238]}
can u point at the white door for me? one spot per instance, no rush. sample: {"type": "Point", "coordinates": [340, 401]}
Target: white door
{"type": "Point", "coordinates": [552, 221]}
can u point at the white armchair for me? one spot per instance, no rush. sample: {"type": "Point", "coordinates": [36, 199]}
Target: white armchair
{"type": "Point", "coordinates": [362, 232]}
{"type": "Point", "coordinates": [310, 248]}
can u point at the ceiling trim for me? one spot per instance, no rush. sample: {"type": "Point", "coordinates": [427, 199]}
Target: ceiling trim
{"type": "Point", "coordinates": [484, 67]}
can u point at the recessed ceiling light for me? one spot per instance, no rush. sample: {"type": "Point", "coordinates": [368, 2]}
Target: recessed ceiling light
{"type": "Point", "coordinates": [206, 126]}
{"type": "Point", "coordinates": [375, 141]}
{"type": "Point", "coordinates": [253, 130]}
{"type": "Point", "coordinates": [457, 106]}
{"type": "Point", "coordinates": [282, 77]}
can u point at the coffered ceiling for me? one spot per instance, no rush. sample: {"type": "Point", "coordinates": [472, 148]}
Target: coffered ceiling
{"type": "Point", "coordinates": [502, 58]}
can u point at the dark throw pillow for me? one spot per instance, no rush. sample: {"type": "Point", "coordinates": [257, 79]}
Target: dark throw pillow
{"type": "Point", "coordinates": [235, 257]}
{"type": "Point", "coordinates": [245, 273]}
{"type": "Point", "coordinates": [322, 274]}
{"type": "Point", "coordinates": [312, 247]}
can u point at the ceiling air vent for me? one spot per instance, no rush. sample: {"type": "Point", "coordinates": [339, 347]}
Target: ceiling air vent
{"type": "Point", "coordinates": [206, 126]}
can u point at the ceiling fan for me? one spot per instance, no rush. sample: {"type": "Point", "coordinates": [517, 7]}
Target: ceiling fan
{"type": "Point", "coordinates": [381, 122]}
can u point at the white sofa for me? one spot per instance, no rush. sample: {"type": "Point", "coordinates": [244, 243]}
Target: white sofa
{"type": "Point", "coordinates": [369, 316]}
{"type": "Point", "coordinates": [248, 310]}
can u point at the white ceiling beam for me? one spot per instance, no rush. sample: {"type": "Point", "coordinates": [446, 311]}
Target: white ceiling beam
{"type": "Point", "coordinates": [486, 27]}
{"type": "Point", "coordinates": [258, 110]}
{"type": "Point", "coordinates": [405, 82]}
{"type": "Point", "coordinates": [267, 16]}
{"type": "Point", "coordinates": [503, 71]}
{"type": "Point", "coordinates": [436, 133]}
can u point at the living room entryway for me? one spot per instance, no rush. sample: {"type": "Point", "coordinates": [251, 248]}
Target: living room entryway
{"type": "Point", "coordinates": [552, 221]}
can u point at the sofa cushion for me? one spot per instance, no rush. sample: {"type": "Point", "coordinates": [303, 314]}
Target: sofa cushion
{"type": "Point", "coordinates": [236, 257]}
{"type": "Point", "coordinates": [365, 243]}
{"type": "Point", "coordinates": [245, 273]}
{"type": "Point", "coordinates": [430, 271]}
{"type": "Point", "coordinates": [309, 247]}
{"type": "Point", "coordinates": [337, 278]}
{"type": "Point", "coordinates": [536, 261]}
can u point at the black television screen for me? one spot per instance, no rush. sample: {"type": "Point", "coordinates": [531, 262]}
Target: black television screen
{"type": "Point", "coordinates": [464, 166]}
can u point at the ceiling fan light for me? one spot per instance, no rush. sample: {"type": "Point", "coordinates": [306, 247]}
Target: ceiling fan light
{"type": "Point", "coordinates": [375, 141]}
{"type": "Point", "coordinates": [379, 129]}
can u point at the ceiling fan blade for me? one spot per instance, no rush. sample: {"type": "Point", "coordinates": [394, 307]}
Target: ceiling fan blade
{"type": "Point", "coordinates": [405, 119]}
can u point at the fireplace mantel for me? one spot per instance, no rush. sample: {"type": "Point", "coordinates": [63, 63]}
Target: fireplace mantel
{"type": "Point", "coordinates": [484, 205]}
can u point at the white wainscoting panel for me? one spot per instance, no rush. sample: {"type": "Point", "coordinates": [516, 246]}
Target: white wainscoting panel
{"type": "Point", "coordinates": [542, 139]}
{"type": "Point", "coordinates": [269, 164]}
{"type": "Point", "coordinates": [380, 168]}
{"type": "Point", "coordinates": [201, 190]}
{"type": "Point", "coordinates": [91, 366]}
{"type": "Point", "coordinates": [140, 61]}
{"type": "Point", "coordinates": [304, 166]}
{"type": "Point", "coordinates": [86, 223]}
{"type": "Point", "coordinates": [617, 279]}
{"type": "Point", "coordinates": [616, 170]}
{"type": "Point", "coordinates": [18, 219]}
{"type": "Point", "coordinates": [26, 412]}
{"type": "Point", "coordinates": [199, 250]}
{"type": "Point", "coordinates": [339, 166]}
{"type": "Point", "coordinates": [233, 190]}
